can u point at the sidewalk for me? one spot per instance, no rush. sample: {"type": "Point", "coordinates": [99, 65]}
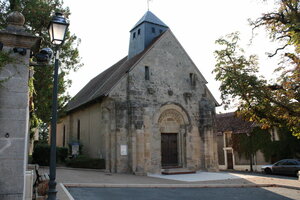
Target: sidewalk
{"type": "Point", "coordinates": [94, 178]}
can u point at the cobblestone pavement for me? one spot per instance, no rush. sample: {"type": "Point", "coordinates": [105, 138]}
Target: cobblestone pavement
{"type": "Point", "coordinates": [83, 178]}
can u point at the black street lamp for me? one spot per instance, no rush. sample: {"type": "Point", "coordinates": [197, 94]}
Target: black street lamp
{"type": "Point", "coordinates": [57, 30]}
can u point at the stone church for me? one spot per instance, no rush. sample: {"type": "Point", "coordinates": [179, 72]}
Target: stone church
{"type": "Point", "coordinates": [149, 111]}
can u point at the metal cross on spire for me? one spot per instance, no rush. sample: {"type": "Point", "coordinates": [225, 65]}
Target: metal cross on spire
{"type": "Point", "coordinates": [148, 3]}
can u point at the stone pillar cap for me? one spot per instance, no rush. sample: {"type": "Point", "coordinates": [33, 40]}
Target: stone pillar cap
{"type": "Point", "coordinates": [15, 35]}
{"type": "Point", "coordinates": [15, 18]}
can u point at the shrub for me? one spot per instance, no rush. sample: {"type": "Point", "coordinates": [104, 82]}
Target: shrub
{"type": "Point", "coordinates": [41, 154]}
{"type": "Point", "coordinates": [86, 162]}
{"type": "Point", "coordinates": [62, 153]}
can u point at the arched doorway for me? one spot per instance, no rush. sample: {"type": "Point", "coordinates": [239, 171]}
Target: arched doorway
{"type": "Point", "coordinates": [172, 127]}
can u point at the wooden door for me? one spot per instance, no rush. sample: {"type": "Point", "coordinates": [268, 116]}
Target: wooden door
{"type": "Point", "coordinates": [169, 151]}
{"type": "Point", "coordinates": [229, 160]}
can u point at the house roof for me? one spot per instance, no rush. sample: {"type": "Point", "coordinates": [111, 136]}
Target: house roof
{"type": "Point", "coordinates": [151, 18]}
{"type": "Point", "coordinates": [230, 122]}
{"type": "Point", "coordinates": [101, 85]}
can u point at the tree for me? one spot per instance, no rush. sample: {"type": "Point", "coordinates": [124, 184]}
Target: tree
{"type": "Point", "coordinates": [38, 15]}
{"type": "Point", "coordinates": [259, 100]}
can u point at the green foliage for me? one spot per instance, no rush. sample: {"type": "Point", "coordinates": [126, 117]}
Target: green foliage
{"type": "Point", "coordinates": [30, 159]}
{"type": "Point", "coordinates": [43, 133]}
{"type": "Point", "coordinates": [286, 147]}
{"type": "Point", "coordinates": [282, 24]}
{"type": "Point", "coordinates": [5, 59]}
{"type": "Point", "coordinates": [86, 162]}
{"type": "Point", "coordinates": [38, 15]}
{"type": "Point", "coordinates": [267, 104]}
{"type": "Point", "coordinates": [249, 144]}
{"type": "Point", "coordinates": [41, 154]}
{"type": "Point", "coordinates": [236, 72]}
{"type": "Point", "coordinates": [62, 153]}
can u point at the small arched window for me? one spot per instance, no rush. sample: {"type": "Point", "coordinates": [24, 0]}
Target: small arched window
{"type": "Point", "coordinates": [193, 79]}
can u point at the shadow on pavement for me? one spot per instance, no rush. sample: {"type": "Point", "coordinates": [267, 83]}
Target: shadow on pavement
{"type": "Point", "coordinates": [261, 174]}
{"type": "Point", "coordinates": [173, 194]}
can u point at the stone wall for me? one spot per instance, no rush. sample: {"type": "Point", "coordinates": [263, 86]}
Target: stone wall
{"type": "Point", "coordinates": [169, 84]}
{"type": "Point", "coordinates": [93, 126]}
{"type": "Point", "coordinates": [14, 108]}
{"type": "Point", "coordinates": [99, 133]}
{"type": "Point", "coordinates": [137, 111]}
{"type": "Point", "coordinates": [14, 119]}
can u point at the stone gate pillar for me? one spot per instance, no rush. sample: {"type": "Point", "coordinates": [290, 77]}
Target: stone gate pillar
{"type": "Point", "coordinates": [14, 107]}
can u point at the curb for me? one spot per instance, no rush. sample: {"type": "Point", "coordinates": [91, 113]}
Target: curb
{"type": "Point", "coordinates": [70, 197]}
{"type": "Point", "coordinates": [176, 185]}
{"type": "Point", "coordinates": [167, 185]}
{"type": "Point", "coordinates": [70, 168]}
{"type": "Point", "coordinates": [287, 186]}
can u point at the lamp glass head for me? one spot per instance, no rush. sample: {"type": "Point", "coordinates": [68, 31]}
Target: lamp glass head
{"type": "Point", "coordinates": [58, 28]}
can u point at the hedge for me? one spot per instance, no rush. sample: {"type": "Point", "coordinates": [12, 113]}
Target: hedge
{"type": "Point", "coordinates": [86, 162]}
{"type": "Point", "coordinates": [41, 154]}
{"type": "Point", "coordinates": [62, 153]}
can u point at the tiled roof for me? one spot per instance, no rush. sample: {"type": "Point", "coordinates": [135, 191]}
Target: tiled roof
{"type": "Point", "coordinates": [101, 85]}
{"type": "Point", "coordinates": [151, 18]}
{"type": "Point", "coordinates": [230, 122]}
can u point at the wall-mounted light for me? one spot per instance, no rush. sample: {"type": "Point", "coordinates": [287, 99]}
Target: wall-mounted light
{"type": "Point", "coordinates": [44, 56]}
{"type": "Point", "coordinates": [21, 51]}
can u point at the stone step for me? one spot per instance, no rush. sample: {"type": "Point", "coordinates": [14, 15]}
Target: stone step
{"type": "Point", "coordinates": [174, 171]}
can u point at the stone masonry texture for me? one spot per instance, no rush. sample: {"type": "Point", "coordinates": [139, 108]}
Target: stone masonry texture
{"type": "Point", "coordinates": [137, 112]}
{"type": "Point", "coordinates": [14, 110]}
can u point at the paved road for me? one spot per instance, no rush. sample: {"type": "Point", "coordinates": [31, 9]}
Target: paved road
{"type": "Point", "coordinates": [80, 177]}
{"type": "Point", "coordinates": [174, 194]}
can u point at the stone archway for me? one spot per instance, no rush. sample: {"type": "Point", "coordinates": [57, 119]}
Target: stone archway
{"type": "Point", "coordinates": [172, 123]}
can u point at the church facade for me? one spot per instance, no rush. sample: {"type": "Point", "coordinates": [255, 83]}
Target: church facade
{"type": "Point", "coordinates": [150, 111]}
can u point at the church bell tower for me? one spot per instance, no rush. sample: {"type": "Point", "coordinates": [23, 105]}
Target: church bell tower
{"type": "Point", "coordinates": [144, 32]}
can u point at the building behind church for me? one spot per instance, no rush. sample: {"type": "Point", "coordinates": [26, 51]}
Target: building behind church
{"type": "Point", "coordinates": [228, 127]}
{"type": "Point", "coordinates": [149, 111]}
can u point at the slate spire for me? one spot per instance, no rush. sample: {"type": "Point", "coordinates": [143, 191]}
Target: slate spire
{"type": "Point", "coordinates": [143, 33]}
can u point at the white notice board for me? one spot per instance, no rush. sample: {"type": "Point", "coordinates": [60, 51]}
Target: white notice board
{"type": "Point", "coordinates": [123, 150]}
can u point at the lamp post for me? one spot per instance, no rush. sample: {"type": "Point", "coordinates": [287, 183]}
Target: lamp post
{"type": "Point", "coordinates": [57, 30]}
